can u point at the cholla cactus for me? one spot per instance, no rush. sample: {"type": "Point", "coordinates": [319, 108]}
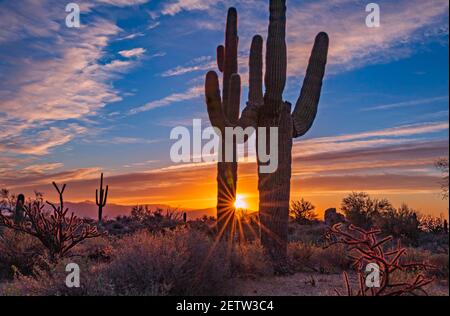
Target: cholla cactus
{"type": "Point", "coordinates": [100, 199]}
{"type": "Point", "coordinates": [57, 231]}
{"type": "Point", "coordinates": [269, 110]}
{"type": "Point", "coordinates": [366, 249]}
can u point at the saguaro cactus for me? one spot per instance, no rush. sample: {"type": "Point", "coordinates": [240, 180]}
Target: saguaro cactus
{"type": "Point", "coordinates": [19, 213]}
{"type": "Point", "coordinates": [228, 116]}
{"type": "Point", "coordinates": [100, 199]}
{"type": "Point", "coordinates": [272, 111]}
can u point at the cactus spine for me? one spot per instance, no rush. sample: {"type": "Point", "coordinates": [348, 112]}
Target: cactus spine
{"type": "Point", "coordinates": [271, 111]}
{"type": "Point", "coordinates": [100, 199]}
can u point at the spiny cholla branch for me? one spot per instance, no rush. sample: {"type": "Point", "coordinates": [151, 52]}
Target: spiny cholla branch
{"type": "Point", "coordinates": [58, 232]}
{"type": "Point", "coordinates": [367, 249]}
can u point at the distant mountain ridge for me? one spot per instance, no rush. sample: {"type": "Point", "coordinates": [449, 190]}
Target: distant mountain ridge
{"type": "Point", "coordinates": [88, 209]}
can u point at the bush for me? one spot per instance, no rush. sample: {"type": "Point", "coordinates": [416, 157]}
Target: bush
{"type": "Point", "coordinates": [173, 263]}
{"type": "Point", "coordinates": [181, 262]}
{"type": "Point", "coordinates": [303, 212]}
{"type": "Point", "coordinates": [361, 210]}
{"type": "Point", "coordinates": [249, 260]}
{"type": "Point", "coordinates": [19, 252]}
{"type": "Point", "coordinates": [400, 223]}
{"type": "Point", "coordinates": [307, 257]}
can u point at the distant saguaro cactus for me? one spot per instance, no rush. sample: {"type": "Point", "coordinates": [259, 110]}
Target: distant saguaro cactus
{"type": "Point", "coordinates": [19, 212]}
{"type": "Point", "coordinates": [100, 199]}
{"type": "Point", "coordinates": [270, 111]}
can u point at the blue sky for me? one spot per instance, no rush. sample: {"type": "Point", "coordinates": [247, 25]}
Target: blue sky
{"type": "Point", "coordinates": [106, 96]}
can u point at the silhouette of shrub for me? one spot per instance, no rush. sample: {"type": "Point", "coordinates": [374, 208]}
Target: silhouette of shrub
{"type": "Point", "coordinates": [303, 212]}
{"type": "Point", "coordinates": [179, 262]}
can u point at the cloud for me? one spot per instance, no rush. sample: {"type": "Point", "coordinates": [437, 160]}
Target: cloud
{"type": "Point", "coordinates": [406, 104]}
{"type": "Point", "coordinates": [177, 6]}
{"type": "Point", "coordinates": [136, 52]}
{"type": "Point", "coordinates": [191, 93]}
{"type": "Point", "coordinates": [43, 168]}
{"type": "Point", "coordinates": [352, 43]}
{"type": "Point", "coordinates": [39, 142]}
{"type": "Point", "coordinates": [122, 3]}
{"type": "Point", "coordinates": [56, 78]}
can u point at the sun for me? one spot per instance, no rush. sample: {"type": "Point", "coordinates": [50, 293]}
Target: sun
{"type": "Point", "coordinates": [240, 202]}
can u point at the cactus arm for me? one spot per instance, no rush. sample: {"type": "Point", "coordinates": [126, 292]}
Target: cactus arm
{"type": "Point", "coordinates": [213, 102]}
{"type": "Point", "coordinates": [276, 56]}
{"type": "Point", "coordinates": [220, 57]}
{"type": "Point", "coordinates": [96, 197]}
{"type": "Point", "coordinates": [106, 197]}
{"type": "Point", "coordinates": [255, 93]}
{"type": "Point", "coordinates": [249, 115]}
{"type": "Point", "coordinates": [234, 99]}
{"type": "Point", "coordinates": [306, 109]}
{"type": "Point", "coordinates": [230, 64]}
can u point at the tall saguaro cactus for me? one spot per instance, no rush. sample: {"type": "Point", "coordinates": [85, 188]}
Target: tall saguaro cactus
{"type": "Point", "coordinates": [100, 199]}
{"type": "Point", "coordinates": [275, 187]}
{"type": "Point", "coordinates": [270, 111]}
{"type": "Point", "coordinates": [229, 108]}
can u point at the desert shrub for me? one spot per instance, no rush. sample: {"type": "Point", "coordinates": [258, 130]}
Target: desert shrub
{"type": "Point", "coordinates": [361, 210]}
{"type": "Point", "coordinates": [142, 217]}
{"type": "Point", "coordinates": [52, 282]}
{"type": "Point", "coordinates": [177, 262]}
{"type": "Point", "coordinates": [440, 263]}
{"type": "Point", "coordinates": [401, 223]}
{"type": "Point", "coordinates": [308, 257]}
{"type": "Point", "coordinates": [300, 256]}
{"type": "Point", "coordinates": [308, 234]}
{"type": "Point", "coordinates": [19, 252]}
{"type": "Point", "coordinates": [181, 262]}
{"type": "Point", "coordinates": [99, 249]}
{"type": "Point", "coordinates": [433, 225]}
{"type": "Point", "coordinates": [249, 260]}
{"type": "Point", "coordinates": [303, 212]}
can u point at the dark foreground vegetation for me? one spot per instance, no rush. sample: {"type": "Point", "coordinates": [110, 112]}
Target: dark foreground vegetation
{"type": "Point", "coordinates": [161, 253]}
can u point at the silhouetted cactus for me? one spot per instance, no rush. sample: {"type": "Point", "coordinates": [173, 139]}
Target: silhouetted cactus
{"type": "Point", "coordinates": [185, 217]}
{"type": "Point", "coordinates": [271, 111]}
{"type": "Point", "coordinates": [19, 212]}
{"type": "Point", "coordinates": [57, 231]}
{"type": "Point", "coordinates": [100, 199]}
{"type": "Point", "coordinates": [226, 114]}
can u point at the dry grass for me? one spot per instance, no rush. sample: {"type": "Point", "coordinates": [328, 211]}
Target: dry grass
{"type": "Point", "coordinates": [185, 260]}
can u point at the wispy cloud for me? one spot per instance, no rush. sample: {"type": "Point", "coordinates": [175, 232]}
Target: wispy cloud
{"type": "Point", "coordinates": [43, 168]}
{"type": "Point", "coordinates": [56, 75]}
{"type": "Point", "coordinates": [406, 104]}
{"type": "Point", "coordinates": [173, 98]}
{"type": "Point", "coordinates": [135, 52]}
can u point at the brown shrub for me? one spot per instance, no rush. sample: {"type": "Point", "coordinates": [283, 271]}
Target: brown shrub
{"type": "Point", "coordinates": [181, 262]}
{"type": "Point", "coordinates": [308, 257]}
{"type": "Point", "coordinates": [19, 252]}
{"type": "Point", "coordinates": [249, 260]}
